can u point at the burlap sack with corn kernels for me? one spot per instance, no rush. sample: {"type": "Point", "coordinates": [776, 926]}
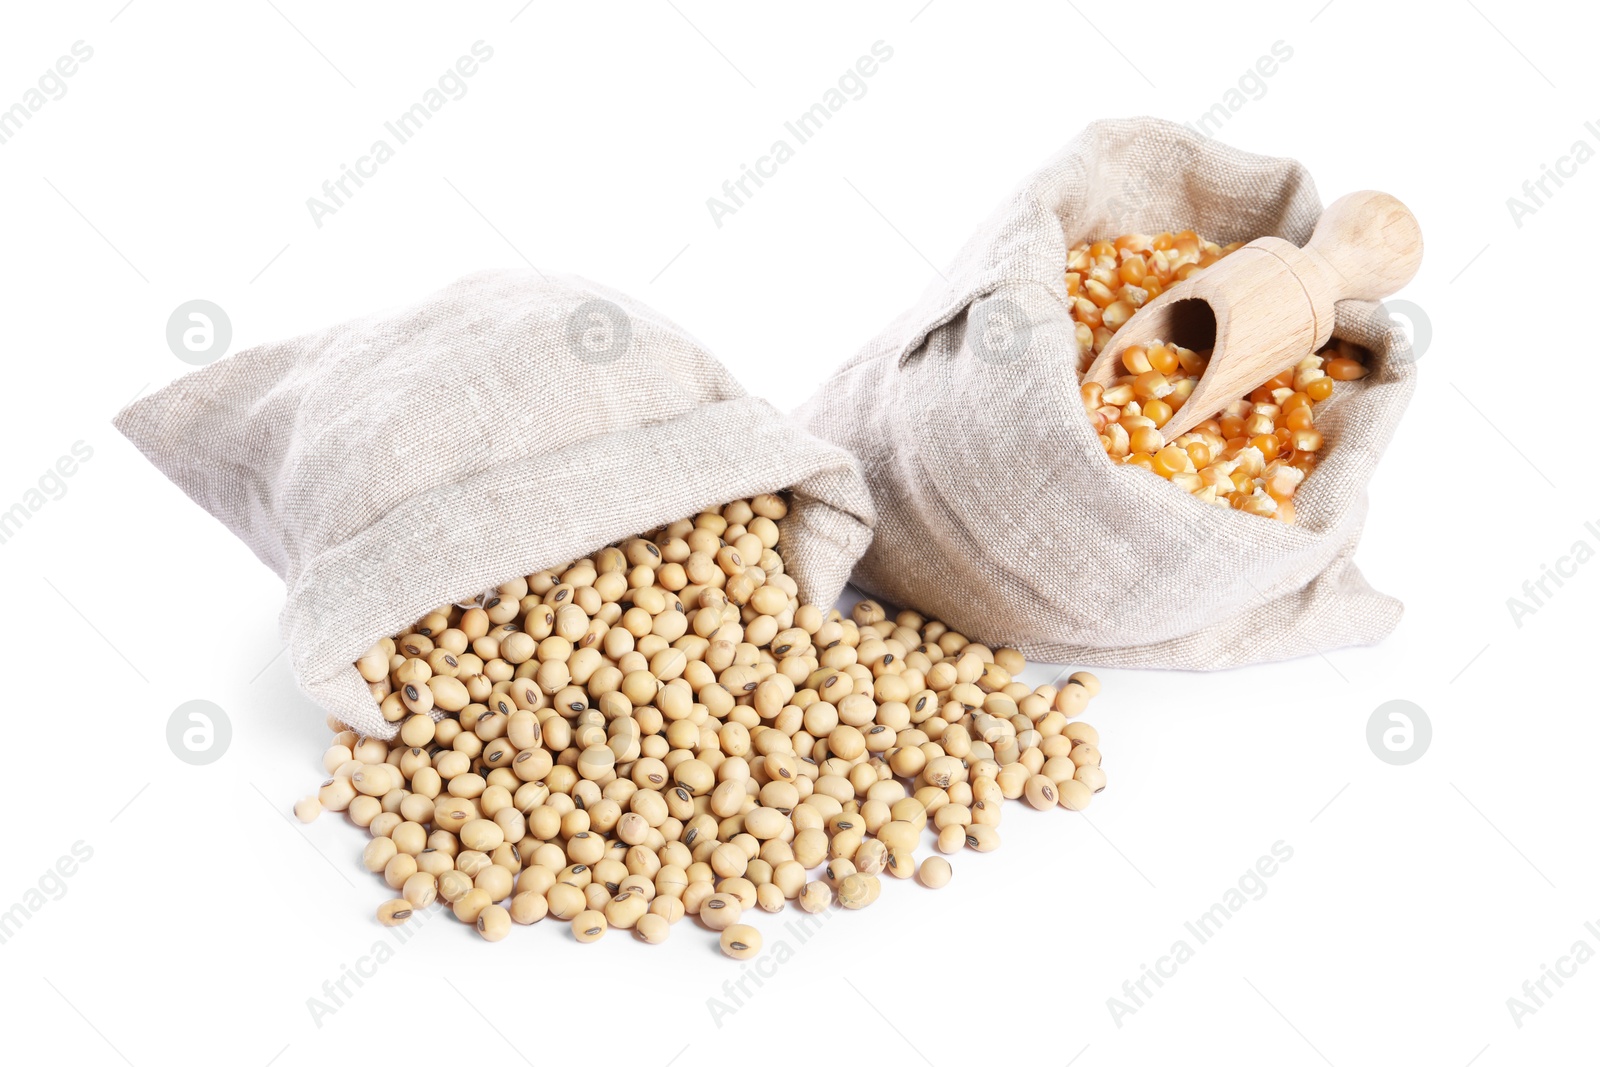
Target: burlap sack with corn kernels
{"type": "Point", "coordinates": [509, 423]}
{"type": "Point", "coordinates": [998, 508]}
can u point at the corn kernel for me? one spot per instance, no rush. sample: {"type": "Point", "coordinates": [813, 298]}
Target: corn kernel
{"type": "Point", "coordinates": [1136, 358]}
{"type": "Point", "coordinates": [1151, 384]}
{"type": "Point", "coordinates": [1192, 362]}
{"type": "Point", "coordinates": [1258, 423]}
{"type": "Point", "coordinates": [1145, 439]}
{"type": "Point", "coordinates": [1306, 440]}
{"type": "Point", "coordinates": [1345, 370]}
{"type": "Point", "coordinates": [1119, 394]}
{"type": "Point", "coordinates": [1170, 460]}
{"type": "Point", "coordinates": [1085, 338]}
{"type": "Point", "coordinates": [1298, 419]}
{"type": "Point", "coordinates": [1116, 314]}
{"type": "Point", "coordinates": [1157, 411]}
{"type": "Point", "coordinates": [1267, 444]}
{"type": "Point", "coordinates": [1259, 503]}
{"type": "Point", "coordinates": [1118, 445]}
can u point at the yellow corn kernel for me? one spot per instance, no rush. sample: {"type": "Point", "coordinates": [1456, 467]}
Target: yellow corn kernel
{"type": "Point", "coordinates": [1251, 461]}
{"type": "Point", "coordinates": [1157, 411]}
{"type": "Point", "coordinates": [1256, 423]}
{"type": "Point", "coordinates": [1267, 444]}
{"type": "Point", "coordinates": [1119, 394]}
{"type": "Point", "coordinates": [1145, 439]}
{"type": "Point", "coordinates": [1116, 314]}
{"type": "Point", "coordinates": [1163, 359]}
{"type": "Point", "coordinates": [1306, 440]}
{"type": "Point", "coordinates": [1171, 460]}
{"type": "Point", "coordinates": [1192, 362]}
{"type": "Point", "coordinates": [1281, 480]}
{"type": "Point", "coordinates": [1345, 370]}
{"type": "Point", "coordinates": [1151, 384]}
{"type": "Point", "coordinates": [1084, 335]}
{"type": "Point", "coordinates": [1259, 503]}
{"type": "Point", "coordinates": [1136, 358]}
{"type": "Point", "coordinates": [1118, 445]}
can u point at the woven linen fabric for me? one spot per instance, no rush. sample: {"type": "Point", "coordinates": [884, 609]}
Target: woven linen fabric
{"type": "Point", "coordinates": [998, 509]}
{"type": "Point", "coordinates": [509, 423]}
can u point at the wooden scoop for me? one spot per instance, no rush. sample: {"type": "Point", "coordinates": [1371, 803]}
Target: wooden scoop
{"type": "Point", "coordinates": [1268, 305]}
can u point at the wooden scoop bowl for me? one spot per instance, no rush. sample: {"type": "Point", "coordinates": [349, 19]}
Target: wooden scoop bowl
{"type": "Point", "coordinates": [1268, 305]}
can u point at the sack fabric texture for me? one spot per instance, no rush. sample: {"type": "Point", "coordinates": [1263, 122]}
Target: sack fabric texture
{"type": "Point", "coordinates": [508, 423]}
{"type": "Point", "coordinates": [998, 509]}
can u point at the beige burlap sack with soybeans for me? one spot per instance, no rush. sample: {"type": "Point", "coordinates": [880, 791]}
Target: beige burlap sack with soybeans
{"type": "Point", "coordinates": [998, 509]}
{"type": "Point", "coordinates": [508, 423]}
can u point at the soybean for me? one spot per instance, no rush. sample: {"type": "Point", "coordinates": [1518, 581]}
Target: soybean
{"type": "Point", "coordinates": [740, 941]}
{"type": "Point", "coordinates": [934, 872]}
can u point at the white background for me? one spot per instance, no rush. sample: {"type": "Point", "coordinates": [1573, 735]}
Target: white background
{"type": "Point", "coordinates": [177, 166]}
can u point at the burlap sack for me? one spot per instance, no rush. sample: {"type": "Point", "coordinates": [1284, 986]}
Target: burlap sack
{"type": "Point", "coordinates": [508, 423]}
{"type": "Point", "coordinates": [998, 510]}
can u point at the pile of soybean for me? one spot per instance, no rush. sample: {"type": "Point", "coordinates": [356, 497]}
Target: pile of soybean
{"type": "Point", "coordinates": [662, 729]}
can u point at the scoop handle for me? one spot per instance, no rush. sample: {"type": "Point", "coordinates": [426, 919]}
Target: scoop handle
{"type": "Point", "coordinates": [1368, 245]}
